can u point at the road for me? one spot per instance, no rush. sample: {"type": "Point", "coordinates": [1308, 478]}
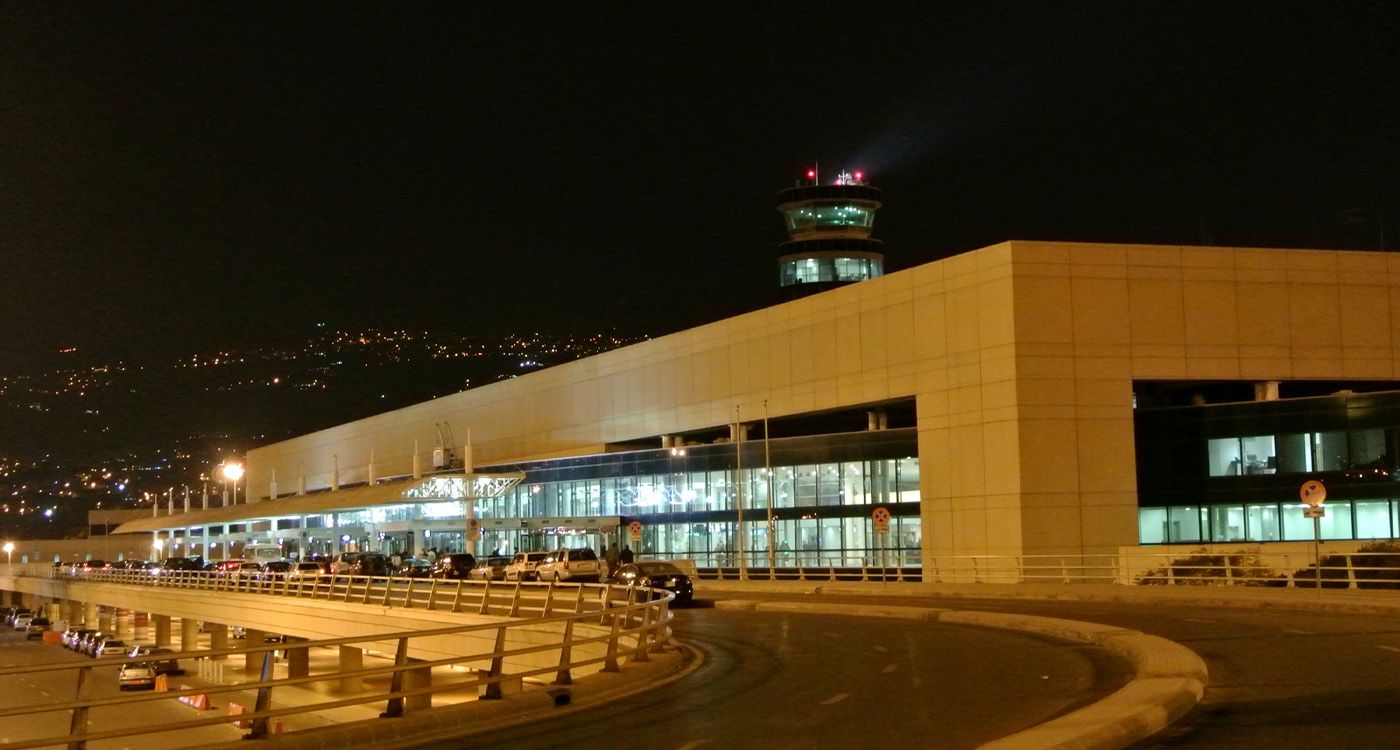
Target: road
{"type": "Point", "coordinates": [1278, 678]}
{"type": "Point", "coordinates": [784, 680]}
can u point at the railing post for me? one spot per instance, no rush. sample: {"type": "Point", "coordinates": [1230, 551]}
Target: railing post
{"type": "Point", "coordinates": [564, 676]}
{"type": "Point", "coordinates": [408, 594]}
{"type": "Point", "coordinates": [1351, 573]}
{"type": "Point", "coordinates": [493, 688]}
{"type": "Point", "coordinates": [78, 723]}
{"type": "Point", "coordinates": [1229, 571]}
{"type": "Point", "coordinates": [607, 602]}
{"type": "Point", "coordinates": [395, 707]}
{"type": "Point", "coordinates": [1064, 571]}
{"type": "Point", "coordinates": [643, 635]}
{"type": "Point", "coordinates": [578, 601]}
{"type": "Point", "coordinates": [485, 607]}
{"type": "Point", "coordinates": [264, 702]}
{"type": "Point", "coordinates": [515, 599]}
{"type": "Point", "coordinates": [610, 661]}
{"type": "Point", "coordinates": [549, 598]}
{"type": "Point", "coordinates": [432, 592]}
{"type": "Point", "coordinates": [457, 598]}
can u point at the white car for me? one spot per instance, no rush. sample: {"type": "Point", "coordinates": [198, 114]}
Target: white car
{"type": "Point", "coordinates": [111, 647]}
{"type": "Point", "coordinates": [579, 564]}
{"type": "Point", "coordinates": [22, 621]}
{"type": "Point", "coordinates": [139, 674]}
{"type": "Point", "coordinates": [522, 566]}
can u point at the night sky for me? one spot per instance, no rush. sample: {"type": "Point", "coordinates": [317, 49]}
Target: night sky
{"type": "Point", "coordinates": [180, 177]}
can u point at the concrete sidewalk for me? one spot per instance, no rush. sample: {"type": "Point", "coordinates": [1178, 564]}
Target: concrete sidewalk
{"type": "Point", "coordinates": [1360, 601]}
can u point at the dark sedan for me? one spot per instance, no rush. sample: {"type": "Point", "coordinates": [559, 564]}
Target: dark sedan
{"type": "Point", "coordinates": [657, 574]}
{"type": "Point", "coordinates": [457, 565]}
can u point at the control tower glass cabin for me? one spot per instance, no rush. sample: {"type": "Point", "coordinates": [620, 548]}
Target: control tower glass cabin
{"type": "Point", "coordinates": [829, 243]}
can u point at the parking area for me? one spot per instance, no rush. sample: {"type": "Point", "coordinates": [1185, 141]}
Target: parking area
{"type": "Point", "coordinates": [43, 687]}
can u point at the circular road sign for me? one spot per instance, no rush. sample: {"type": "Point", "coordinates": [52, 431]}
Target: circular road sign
{"type": "Point", "coordinates": [634, 530]}
{"type": "Point", "coordinates": [1313, 493]}
{"type": "Point", "coordinates": [881, 517]}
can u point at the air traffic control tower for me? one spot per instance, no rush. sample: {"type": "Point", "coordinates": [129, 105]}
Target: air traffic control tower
{"type": "Point", "coordinates": [828, 226]}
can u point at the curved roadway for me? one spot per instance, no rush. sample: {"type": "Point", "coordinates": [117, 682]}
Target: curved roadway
{"type": "Point", "coordinates": [788, 680]}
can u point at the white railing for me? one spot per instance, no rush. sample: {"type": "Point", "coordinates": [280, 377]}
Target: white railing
{"type": "Point", "coordinates": [1343, 570]}
{"type": "Point", "coordinates": [587, 626]}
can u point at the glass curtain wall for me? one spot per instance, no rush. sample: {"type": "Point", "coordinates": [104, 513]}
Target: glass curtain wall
{"type": "Point", "coordinates": [822, 511]}
{"type": "Point", "coordinates": [1268, 522]}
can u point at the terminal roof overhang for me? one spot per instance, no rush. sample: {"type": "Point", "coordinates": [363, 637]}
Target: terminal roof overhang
{"type": "Point", "coordinates": [439, 488]}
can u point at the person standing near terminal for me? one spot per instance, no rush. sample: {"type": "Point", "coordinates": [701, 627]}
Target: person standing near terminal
{"type": "Point", "coordinates": [626, 555]}
{"type": "Point", "coordinates": [612, 558]}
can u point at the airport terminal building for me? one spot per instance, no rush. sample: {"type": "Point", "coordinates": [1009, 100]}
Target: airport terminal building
{"type": "Point", "coordinates": [1026, 398]}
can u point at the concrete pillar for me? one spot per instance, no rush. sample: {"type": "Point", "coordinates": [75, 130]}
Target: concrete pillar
{"type": "Point", "coordinates": [90, 615]}
{"type": "Point", "coordinates": [107, 619]}
{"type": "Point", "coordinates": [252, 663]}
{"type": "Point", "coordinates": [73, 612]}
{"type": "Point", "coordinates": [189, 634]}
{"type": "Point", "coordinates": [162, 628]}
{"type": "Point", "coordinates": [412, 680]}
{"type": "Point", "coordinates": [218, 638]}
{"type": "Point", "coordinates": [299, 661]}
{"type": "Point", "coordinates": [351, 658]}
{"type": "Point", "coordinates": [140, 625]}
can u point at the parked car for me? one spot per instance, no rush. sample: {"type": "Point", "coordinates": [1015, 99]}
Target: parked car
{"type": "Point", "coordinates": [37, 627]}
{"type": "Point", "coordinates": [111, 647]}
{"type": "Point", "coordinates": [342, 563]}
{"type": "Point", "coordinates": [657, 574]}
{"type": "Point", "coordinates": [12, 613]}
{"type": "Point", "coordinates": [159, 659]}
{"type": "Point", "coordinates": [94, 566]}
{"type": "Point", "coordinates": [89, 642]}
{"type": "Point", "coordinates": [580, 564]}
{"type": "Point", "coordinates": [140, 674]}
{"type": "Point", "coordinates": [73, 636]}
{"type": "Point", "coordinates": [21, 621]}
{"type": "Point", "coordinates": [307, 569]}
{"type": "Point", "coordinates": [492, 568]}
{"type": "Point", "coordinates": [276, 570]}
{"type": "Point", "coordinates": [415, 567]}
{"type": "Point", "coordinates": [179, 564]}
{"type": "Point", "coordinates": [522, 566]}
{"type": "Point", "coordinates": [370, 564]}
{"type": "Point", "coordinates": [454, 565]}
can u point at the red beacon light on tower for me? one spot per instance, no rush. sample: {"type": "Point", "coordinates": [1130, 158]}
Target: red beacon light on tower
{"type": "Point", "coordinates": [851, 178]}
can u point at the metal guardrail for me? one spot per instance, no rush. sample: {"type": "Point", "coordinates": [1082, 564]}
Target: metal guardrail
{"type": "Point", "coordinates": [1349, 570]}
{"type": "Point", "coordinates": [597, 624]}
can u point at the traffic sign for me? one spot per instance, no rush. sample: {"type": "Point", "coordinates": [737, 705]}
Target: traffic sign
{"type": "Point", "coordinates": [634, 530]}
{"type": "Point", "coordinates": [1314, 512]}
{"type": "Point", "coordinates": [881, 517]}
{"type": "Point", "coordinates": [1312, 492]}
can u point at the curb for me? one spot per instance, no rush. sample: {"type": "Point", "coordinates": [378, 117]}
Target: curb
{"type": "Point", "coordinates": [1169, 679]}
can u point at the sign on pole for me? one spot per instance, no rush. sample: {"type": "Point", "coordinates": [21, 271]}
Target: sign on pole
{"type": "Point", "coordinates": [634, 530]}
{"type": "Point", "coordinates": [1312, 492]}
{"type": "Point", "coordinates": [881, 517]}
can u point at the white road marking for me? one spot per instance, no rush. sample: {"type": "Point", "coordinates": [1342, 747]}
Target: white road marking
{"type": "Point", "coordinates": [1192, 619]}
{"type": "Point", "coordinates": [890, 668]}
{"type": "Point", "coordinates": [833, 700]}
{"type": "Point", "coordinates": [693, 744]}
{"type": "Point", "coordinates": [1298, 632]}
{"type": "Point", "coordinates": [1389, 648]}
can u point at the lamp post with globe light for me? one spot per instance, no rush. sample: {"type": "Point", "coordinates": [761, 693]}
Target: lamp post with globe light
{"type": "Point", "coordinates": [233, 472]}
{"type": "Point", "coordinates": [9, 552]}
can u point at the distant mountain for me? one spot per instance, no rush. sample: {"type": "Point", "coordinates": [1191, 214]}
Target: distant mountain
{"type": "Point", "coordinates": [79, 436]}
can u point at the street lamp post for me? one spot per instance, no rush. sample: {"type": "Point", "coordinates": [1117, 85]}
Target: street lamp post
{"type": "Point", "coordinates": [9, 553]}
{"type": "Point", "coordinates": [233, 472]}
